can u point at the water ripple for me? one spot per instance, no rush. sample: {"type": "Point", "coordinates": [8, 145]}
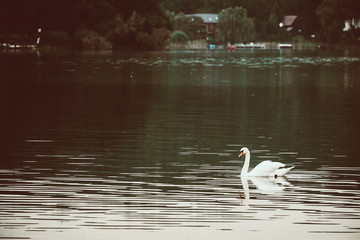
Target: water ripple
{"type": "Point", "coordinates": [321, 199]}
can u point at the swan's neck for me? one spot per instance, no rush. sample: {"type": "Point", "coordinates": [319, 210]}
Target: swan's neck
{"type": "Point", "coordinates": [245, 168]}
{"type": "Point", "coordinates": [245, 184]}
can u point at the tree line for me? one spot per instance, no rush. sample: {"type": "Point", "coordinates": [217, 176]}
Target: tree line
{"type": "Point", "coordinates": [319, 20]}
{"type": "Point", "coordinates": [148, 24]}
{"type": "Point", "coordinates": [87, 24]}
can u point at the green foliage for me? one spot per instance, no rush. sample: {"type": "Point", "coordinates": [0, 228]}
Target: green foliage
{"type": "Point", "coordinates": [323, 18]}
{"type": "Point", "coordinates": [57, 38]}
{"type": "Point", "coordinates": [159, 37]}
{"type": "Point", "coordinates": [140, 31]}
{"type": "Point", "coordinates": [171, 16]}
{"type": "Point", "coordinates": [200, 6]}
{"type": "Point", "coordinates": [192, 26]}
{"type": "Point", "coordinates": [298, 39]}
{"type": "Point", "coordinates": [185, 6]}
{"type": "Point", "coordinates": [90, 40]}
{"type": "Point", "coordinates": [154, 40]}
{"type": "Point", "coordinates": [352, 35]}
{"type": "Point", "coordinates": [179, 37]}
{"type": "Point", "coordinates": [234, 25]}
{"type": "Point", "coordinates": [100, 18]}
{"type": "Point", "coordinates": [267, 14]}
{"type": "Point", "coordinates": [332, 17]}
{"type": "Point", "coordinates": [137, 32]}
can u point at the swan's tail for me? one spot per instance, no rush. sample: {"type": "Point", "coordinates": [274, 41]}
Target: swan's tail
{"type": "Point", "coordinates": [282, 171]}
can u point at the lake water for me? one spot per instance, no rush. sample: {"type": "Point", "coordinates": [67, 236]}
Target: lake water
{"type": "Point", "coordinates": [144, 145]}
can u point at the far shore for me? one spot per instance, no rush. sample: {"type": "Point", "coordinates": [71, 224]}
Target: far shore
{"type": "Point", "coordinates": [203, 44]}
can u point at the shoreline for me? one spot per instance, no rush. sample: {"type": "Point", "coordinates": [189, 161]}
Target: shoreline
{"type": "Point", "coordinates": [203, 44]}
{"type": "Point", "coordinates": [200, 45]}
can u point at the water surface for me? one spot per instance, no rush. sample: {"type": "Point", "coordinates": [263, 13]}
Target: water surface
{"type": "Point", "coordinates": [145, 144]}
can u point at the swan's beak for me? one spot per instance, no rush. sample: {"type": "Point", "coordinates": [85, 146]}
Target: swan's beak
{"type": "Point", "coordinates": [241, 153]}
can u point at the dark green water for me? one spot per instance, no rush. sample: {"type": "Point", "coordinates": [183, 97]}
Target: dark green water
{"type": "Point", "coordinates": [145, 144]}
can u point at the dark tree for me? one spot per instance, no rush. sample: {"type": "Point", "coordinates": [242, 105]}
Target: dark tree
{"type": "Point", "coordinates": [234, 25]}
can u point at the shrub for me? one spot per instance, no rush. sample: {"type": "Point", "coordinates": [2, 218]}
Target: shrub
{"type": "Point", "coordinates": [179, 37]}
{"type": "Point", "coordinates": [90, 40]}
{"type": "Point", "coordinates": [160, 36]}
{"type": "Point", "coordinates": [192, 26]}
{"type": "Point", "coordinates": [57, 38]}
{"type": "Point", "coordinates": [234, 25]}
{"type": "Point", "coordinates": [298, 39]}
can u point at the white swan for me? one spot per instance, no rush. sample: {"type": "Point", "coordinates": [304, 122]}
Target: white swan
{"type": "Point", "coordinates": [263, 169]}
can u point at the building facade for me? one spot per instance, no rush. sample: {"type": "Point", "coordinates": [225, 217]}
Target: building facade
{"type": "Point", "coordinates": [208, 31]}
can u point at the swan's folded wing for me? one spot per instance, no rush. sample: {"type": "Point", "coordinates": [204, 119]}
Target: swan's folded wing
{"type": "Point", "coordinates": [266, 168]}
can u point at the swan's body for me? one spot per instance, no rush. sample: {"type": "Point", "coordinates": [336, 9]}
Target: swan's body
{"type": "Point", "coordinates": [263, 169]}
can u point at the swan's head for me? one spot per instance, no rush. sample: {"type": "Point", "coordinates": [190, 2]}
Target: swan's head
{"type": "Point", "coordinates": [244, 150]}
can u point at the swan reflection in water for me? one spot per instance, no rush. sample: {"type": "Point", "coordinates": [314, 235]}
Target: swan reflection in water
{"type": "Point", "coordinates": [266, 185]}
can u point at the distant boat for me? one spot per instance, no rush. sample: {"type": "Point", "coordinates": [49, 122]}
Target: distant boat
{"type": "Point", "coordinates": [284, 45]}
{"type": "Point", "coordinates": [250, 45]}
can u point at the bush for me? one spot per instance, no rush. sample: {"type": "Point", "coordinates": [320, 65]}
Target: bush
{"type": "Point", "coordinates": [179, 37]}
{"type": "Point", "coordinates": [298, 39]}
{"type": "Point", "coordinates": [90, 40]}
{"type": "Point", "coordinates": [135, 33]}
{"type": "Point", "coordinates": [57, 38]}
{"type": "Point", "coordinates": [192, 26]}
{"type": "Point", "coordinates": [160, 36]}
{"type": "Point", "coordinates": [234, 25]}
